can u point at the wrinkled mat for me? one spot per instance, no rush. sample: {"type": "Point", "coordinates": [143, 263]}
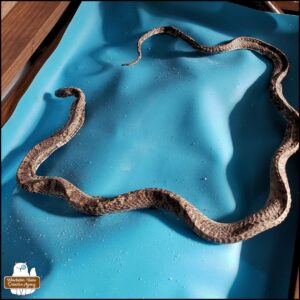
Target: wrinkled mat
{"type": "Point", "coordinates": [201, 126]}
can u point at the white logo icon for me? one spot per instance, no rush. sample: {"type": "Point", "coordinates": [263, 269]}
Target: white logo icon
{"type": "Point", "coordinates": [20, 269]}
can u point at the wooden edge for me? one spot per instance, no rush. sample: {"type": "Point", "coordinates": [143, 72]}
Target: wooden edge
{"type": "Point", "coordinates": [17, 52]}
{"type": "Point", "coordinates": [6, 7]}
{"type": "Point", "coordinates": [296, 293]}
{"type": "Point", "coordinates": [274, 7]}
{"type": "Point", "coordinates": [10, 102]}
{"type": "Point", "coordinates": [288, 5]}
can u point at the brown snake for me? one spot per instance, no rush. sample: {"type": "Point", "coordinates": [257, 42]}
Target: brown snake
{"type": "Point", "coordinates": [275, 209]}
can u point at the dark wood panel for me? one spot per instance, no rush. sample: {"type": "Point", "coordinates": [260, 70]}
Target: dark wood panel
{"type": "Point", "coordinates": [22, 31]}
{"type": "Point", "coordinates": [49, 44]}
{"type": "Point", "coordinates": [6, 7]}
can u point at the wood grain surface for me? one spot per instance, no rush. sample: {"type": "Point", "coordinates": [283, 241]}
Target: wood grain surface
{"type": "Point", "coordinates": [49, 44]}
{"type": "Point", "coordinates": [22, 31]}
{"type": "Point", "coordinates": [288, 5]}
{"type": "Point", "coordinates": [296, 294]}
{"type": "Point", "coordinates": [6, 7]}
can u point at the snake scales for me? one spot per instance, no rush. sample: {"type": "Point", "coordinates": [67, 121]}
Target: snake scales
{"type": "Point", "coordinates": [275, 209]}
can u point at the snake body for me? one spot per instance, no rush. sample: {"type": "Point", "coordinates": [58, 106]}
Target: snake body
{"type": "Point", "coordinates": [277, 204]}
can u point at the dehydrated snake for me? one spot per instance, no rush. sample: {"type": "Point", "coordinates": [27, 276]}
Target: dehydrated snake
{"type": "Point", "coordinates": [278, 202]}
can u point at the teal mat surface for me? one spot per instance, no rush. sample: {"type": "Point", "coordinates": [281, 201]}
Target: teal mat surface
{"type": "Point", "coordinates": [201, 126]}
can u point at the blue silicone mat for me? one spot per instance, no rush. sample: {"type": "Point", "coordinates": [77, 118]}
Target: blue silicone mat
{"type": "Point", "coordinates": [201, 126]}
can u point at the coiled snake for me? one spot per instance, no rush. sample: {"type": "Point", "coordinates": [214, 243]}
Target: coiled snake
{"type": "Point", "coordinates": [275, 209]}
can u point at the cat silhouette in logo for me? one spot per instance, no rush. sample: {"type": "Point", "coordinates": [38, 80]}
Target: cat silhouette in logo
{"type": "Point", "coordinates": [21, 270]}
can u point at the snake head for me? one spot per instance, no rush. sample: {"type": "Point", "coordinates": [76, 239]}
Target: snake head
{"type": "Point", "coordinates": [64, 92]}
{"type": "Point", "coordinates": [69, 91]}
